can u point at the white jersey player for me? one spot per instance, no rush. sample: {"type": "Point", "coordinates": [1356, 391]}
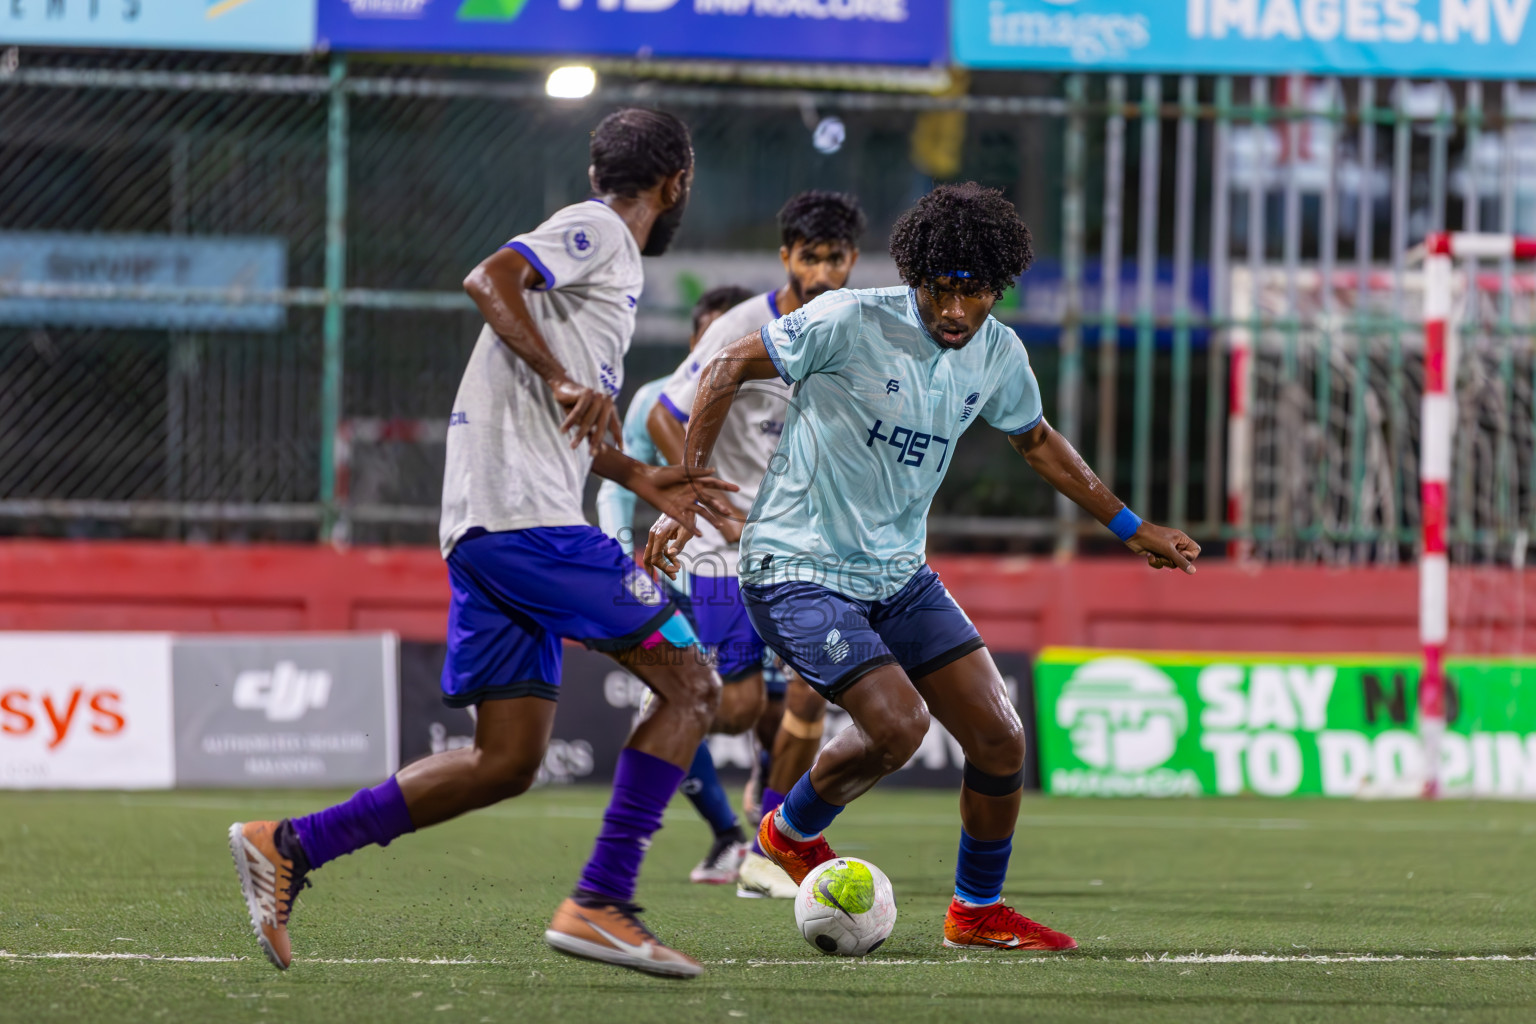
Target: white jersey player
{"type": "Point", "coordinates": [527, 571]}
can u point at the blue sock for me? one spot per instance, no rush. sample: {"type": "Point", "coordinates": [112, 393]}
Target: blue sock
{"type": "Point", "coordinates": [375, 815]}
{"type": "Point", "coordinates": [703, 790]}
{"type": "Point", "coordinates": [981, 868]}
{"type": "Point", "coordinates": [806, 813]}
{"type": "Point", "coordinates": [642, 787]}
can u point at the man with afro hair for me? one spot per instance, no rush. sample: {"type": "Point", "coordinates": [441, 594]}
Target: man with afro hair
{"type": "Point", "coordinates": [819, 245]}
{"type": "Point", "coordinates": [832, 565]}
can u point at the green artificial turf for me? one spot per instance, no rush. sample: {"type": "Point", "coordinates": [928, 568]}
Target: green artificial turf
{"type": "Point", "coordinates": [1138, 883]}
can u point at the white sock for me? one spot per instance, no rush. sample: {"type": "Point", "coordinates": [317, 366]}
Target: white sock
{"type": "Point", "coordinates": [977, 906]}
{"type": "Point", "coordinates": [782, 824]}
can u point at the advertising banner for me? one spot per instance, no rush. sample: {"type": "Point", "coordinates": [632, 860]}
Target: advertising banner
{"type": "Point", "coordinates": [85, 711]}
{"type": "Point", "coordinates": [598, 700]}
{"type": "Point", "coordinates": [142, 261]}
{"type": "Point", "coordinates": [270, 26]}
{"type": "Point", "coordinates": [285, 711]}
{"type": "Point", "coordinates": [828, 31]}
{"type": "Point", "coordinates": [1473, 38]}
{"type": "Point", "coordinates": [1115, 723]}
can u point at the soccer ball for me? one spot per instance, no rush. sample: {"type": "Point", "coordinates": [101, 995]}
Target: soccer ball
{"type": "Point", "coordinates": [845, 907]}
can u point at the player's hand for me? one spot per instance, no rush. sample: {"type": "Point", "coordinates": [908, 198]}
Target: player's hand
{"type": "Point", "coordinates": [666, 541]}
{"type": "Point", "coordinates": [1165, 547]}
{"type": "Point", "coordinates": [686, 493]}
{"type": "Point", "coordinates": [680, 495]}
{"type": "Point", "coordinates": [589, 414]}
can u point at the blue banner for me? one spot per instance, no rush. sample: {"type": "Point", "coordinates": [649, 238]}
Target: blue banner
{"type": "Point", "coordinates": [271, 26]}
{"type": "Point", "coordinates": [828, 31]}
{"type": "Point", "coordinates": [156, 264]}
{"type": "Point", "coordinates": [1459, 38]}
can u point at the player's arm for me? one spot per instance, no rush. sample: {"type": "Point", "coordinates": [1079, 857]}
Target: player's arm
{"type": "Point", "coordinates": [667, 433]}
{"type": "Point", "coordinates": [740, 361]}
{"type": "Point", "coordinates": [679, 493]}
{"type": "Point", "coordinates": [497, 286]}
{"type": "Point", "coordinates": [1054, 458]}
{"type": "Point", "coordinates": [616, 514]}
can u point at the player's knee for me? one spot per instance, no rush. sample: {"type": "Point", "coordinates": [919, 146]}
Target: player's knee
{"type": "Point", "coordinates": [1000, 751]}
{"type": "Point", "coordinates": [805, 703]}
{"type": "Point", "coordinates": [897, 736]}
{"type": "Point", "coordinates": [502, 777]}
{"type": "Point", "coordinates": [697, 692]}
{"type": "Point", "coordinates": [741, 705]}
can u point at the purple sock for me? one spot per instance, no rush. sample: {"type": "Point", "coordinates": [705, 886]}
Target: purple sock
{"type": "Point", "coordinates": [771, 800]}
{"type": "Point", "coordinates": [642, 786]}
{"type": "Point", "coordinates": [374, 815]}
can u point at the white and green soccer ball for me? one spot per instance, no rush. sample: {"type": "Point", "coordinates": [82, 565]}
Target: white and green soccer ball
{"type": "Point", "coordinates": [845, 907]}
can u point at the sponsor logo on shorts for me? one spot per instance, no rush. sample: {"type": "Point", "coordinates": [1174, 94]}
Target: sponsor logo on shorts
{"type": "Point", "coordinates": [836, 647]}
{"type": "Point", "coordinates": [643, 588]}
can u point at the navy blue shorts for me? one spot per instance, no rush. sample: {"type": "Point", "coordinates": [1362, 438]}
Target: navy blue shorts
{"type": "Point", "coordinates": [516, 594]}
{"type": "Point", "coordinates": [721, 619]}
{"type": "Point", "coordinates": [833, 640]}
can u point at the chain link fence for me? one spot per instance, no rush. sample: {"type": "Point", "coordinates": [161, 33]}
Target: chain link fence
{"type": "Point", "coordinates": [230, 303]}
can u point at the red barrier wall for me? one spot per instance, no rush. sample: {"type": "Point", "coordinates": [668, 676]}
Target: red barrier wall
{"type": "Point", "coordinates": [1017, 603]}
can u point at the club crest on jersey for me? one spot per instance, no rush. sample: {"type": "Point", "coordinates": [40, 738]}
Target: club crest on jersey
{"type": "Point", "coordinates": [970, 405]}
{"type": "Point", "coordinates": [836, 647]}
{"type": "Point", "coordinates": [643, 588]}
{"type": "Point", "coordinates": [580, 242]}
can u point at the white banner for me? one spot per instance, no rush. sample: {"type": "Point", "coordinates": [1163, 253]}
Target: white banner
{"type": "Point", "coordinates": [85, 711]}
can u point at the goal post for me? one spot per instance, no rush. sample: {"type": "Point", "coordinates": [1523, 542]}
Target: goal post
{"type": "Point", "coordinates": [1437, 423]}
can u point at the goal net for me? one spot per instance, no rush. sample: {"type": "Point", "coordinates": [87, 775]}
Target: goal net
{"type": "Point", "coordinates": [1383, 417]}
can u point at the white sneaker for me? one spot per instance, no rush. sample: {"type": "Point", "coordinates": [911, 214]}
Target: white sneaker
{"type": "Point", "coordinates": [720, 865]}
{"type": "Point", "coordinates": [761, 878]}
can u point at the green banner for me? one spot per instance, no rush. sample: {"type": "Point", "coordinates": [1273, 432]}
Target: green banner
{"type": "Point", "coordinates": [1133, 723]}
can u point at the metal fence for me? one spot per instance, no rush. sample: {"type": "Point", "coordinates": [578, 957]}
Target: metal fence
{"type": "Point", "coordinates": [164, 386]}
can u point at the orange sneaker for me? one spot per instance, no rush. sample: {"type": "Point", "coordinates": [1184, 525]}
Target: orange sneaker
{"type": "Point", "coordinates": [797, 858]}
{"type": "Point", "coordinates": [1000, 927]}
{"type": "Point", "coordinates": [613, 934]}
{"type": "Point", "coordinates": [269, 881]}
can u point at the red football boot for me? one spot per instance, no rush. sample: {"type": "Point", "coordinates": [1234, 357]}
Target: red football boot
{"type": "Point", "coordinates": [1000, 927]}
{"type": "Point", "coordinates": [795, 857]}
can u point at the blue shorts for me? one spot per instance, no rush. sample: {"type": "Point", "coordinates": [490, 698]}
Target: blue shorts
{"type": "Point", "coordinates": [721, 619]}
{"type": "Point", "coordinates": [516, 594]}
{"type": "Point", "coordinates": [833, 640]}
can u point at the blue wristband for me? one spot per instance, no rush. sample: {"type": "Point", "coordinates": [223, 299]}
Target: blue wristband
{"type": "Point", "coordinates": [1124, 524]}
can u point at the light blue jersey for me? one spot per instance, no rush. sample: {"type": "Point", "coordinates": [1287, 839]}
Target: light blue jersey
{"type": "Point", "coordinates": [615, 503]}
{"type": "Point", "coordinates": [877, 410]}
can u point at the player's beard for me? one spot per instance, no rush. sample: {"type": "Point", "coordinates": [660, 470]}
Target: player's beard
{"type": "Point", "coordinates": [801, 295]}
{"type": "Point", "coordinates": [664, 229]}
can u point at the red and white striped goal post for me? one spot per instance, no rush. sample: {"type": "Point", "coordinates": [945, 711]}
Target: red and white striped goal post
{"type": "Point", "coordinates": [1437, 420]}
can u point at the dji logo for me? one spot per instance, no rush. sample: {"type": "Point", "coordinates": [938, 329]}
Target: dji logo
{"type": "Point", "coordinates": [285, 693]}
